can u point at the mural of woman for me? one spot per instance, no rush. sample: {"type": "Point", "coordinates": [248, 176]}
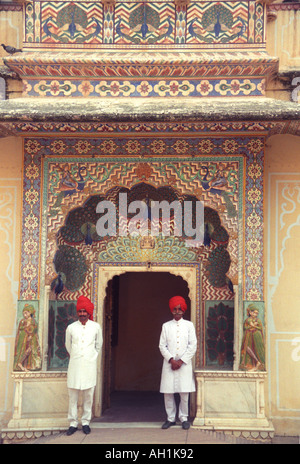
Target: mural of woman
{"type": "Point", "coordinates": [253, 346]}
{"type": "Point", "coordinates": [27, 349]}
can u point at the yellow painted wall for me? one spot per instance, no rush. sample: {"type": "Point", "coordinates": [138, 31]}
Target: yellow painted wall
{"type": "Point", "coordinates": [283, 41]}
{"type": "Point", "coordinates": [283, 38]}
{"type": "Point", "coordinates": [282, 280]}
{"type": "Point", "coordinates": [11, 26]}
{"type": "Point", "coordinates": [10, 226]}
{"type": "Point", "coordinates": [11, 33]}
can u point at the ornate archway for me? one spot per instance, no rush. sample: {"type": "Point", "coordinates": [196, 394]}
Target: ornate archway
{"type": "Point", "coordinates": [81, 254]}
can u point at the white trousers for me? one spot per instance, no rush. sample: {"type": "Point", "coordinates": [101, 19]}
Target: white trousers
{"type": "Point", "coordinates": [87, 403]}
{"type": "Point", "coordinates": [170, 405]}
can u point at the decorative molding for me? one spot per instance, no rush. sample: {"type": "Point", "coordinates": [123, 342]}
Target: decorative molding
{"type": "Point", "coordinates": [14, 6]}
{"type": "Point", "coordinates": [38, 375]}
{"type": "Point", "coordinates": [15, 436]}
{"type": "Point", "coordinates": [231, 374]}
{"type": "Point", "coordinates": [284, 6]}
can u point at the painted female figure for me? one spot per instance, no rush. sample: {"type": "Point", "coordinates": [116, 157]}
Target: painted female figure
{"type": "Point", "coordinates": [27, 349]}
{"type": "Point", "coordinates": [253, 347]}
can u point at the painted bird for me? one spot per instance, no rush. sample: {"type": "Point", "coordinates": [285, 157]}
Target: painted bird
{"type": "Point", "coordinates": [57, 285]}
{"type": "Point", "coordinates": [11, 50]}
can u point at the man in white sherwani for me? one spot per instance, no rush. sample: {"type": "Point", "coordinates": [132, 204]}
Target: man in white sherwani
{"type": "Point", "coordinates": [178, 345]}
{"type": "Point", "coordinates": [83, 343]}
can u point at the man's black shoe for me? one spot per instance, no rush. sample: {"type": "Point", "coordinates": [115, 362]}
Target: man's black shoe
{"type": "Point", "coordinates": [186, 425]}
{"type": "Point", "coordinates": [168, 424]}
{"type": "Point", "coordinates": [71, 430]}
{"type": "Point", "coordinates": [86, 429]}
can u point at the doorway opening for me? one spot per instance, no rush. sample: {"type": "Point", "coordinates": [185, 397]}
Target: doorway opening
{"type": "Point", "coordinates": [135, 307]}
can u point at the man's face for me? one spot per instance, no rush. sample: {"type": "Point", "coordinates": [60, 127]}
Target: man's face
{"type": "Point", "coordinates": [177, 312]}
{"type": "Point", "coordinates": [83, 316]}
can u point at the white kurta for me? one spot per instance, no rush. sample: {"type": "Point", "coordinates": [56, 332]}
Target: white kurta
{"type": "Point", "coordinates": [83, 343]}
{"type": "Point", "coordinates": [178, 340]}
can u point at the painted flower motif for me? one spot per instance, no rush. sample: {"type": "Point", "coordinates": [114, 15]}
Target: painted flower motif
{"type": "Point", "coordinates": [254, 195]}
{"type": "Point", "coordinates": [230, 146]}
{"type": "Point", "coordinates": [86, 88]}
{"type": "Point", "coordinates": [181, 146]}
{"type": "Point", "coordinates": [253, 220]}
{"type": "Point", "coordinates": [115, 88]}
{"type": "Point", "coordinates": [143, 171]}
{"type": "Point", "coordinates": [108, 146]}
{"type": "Point", "coordinates": [174, 88]}
{"type": "Point", "coordinates": [31, 222]}
{"type": "Point", "coordinates": [31, 196]}
{"type": "Point", "coordinates": [29, 271]}
{"type": "Point", "coordinates": [254, 171]}
{"type": "Point", "coordinates": [235, 87]}
{"type": "Point", "coordinates": [30, 246]}
{"type": "Point", "coordinates": [54, 88]}
{"type": "Point", "coordinates": [253, 246]}
{"type": "Point", "coordinates": [205, 146]}
{"type": "Point", "coordinates": [32, 171]}
{"type": "Point", "coordinates": [144, 88]}
{"type": "Point", "coordinates": [29, 294]}
{"type": "Point", "coordinates": [254, 295]}
{"type": "Point", "coordinates": [205, 88]}
{"type": "Point", "coordinates": [83, 146]}
{"type": "Point", "coordinates": [158, 146]}
{"type": "Point", "coordinates": [32, 146]}
{"type": "Point", "coordinates": [255, 145]}
{"type": "Point", "coordinates": [133, 146]}
{"type": "Point", "coordinates": [58, 146]}
{"type": "Point", "coordinates": [254, 271]}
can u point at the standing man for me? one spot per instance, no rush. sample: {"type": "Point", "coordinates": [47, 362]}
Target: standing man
{"type": "Point", "coordinates": [83, 343]}
{"type": "Point", "coordinates": [178, 345]}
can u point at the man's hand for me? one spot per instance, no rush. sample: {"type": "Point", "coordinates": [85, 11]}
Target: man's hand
{"type": "Point", "coordinates": [176, 364]}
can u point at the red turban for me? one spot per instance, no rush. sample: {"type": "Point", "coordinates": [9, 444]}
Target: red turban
{"type": "Point", "coordinates": [84, 303]}
{"type": "Point", "coordinates": [177, 300]}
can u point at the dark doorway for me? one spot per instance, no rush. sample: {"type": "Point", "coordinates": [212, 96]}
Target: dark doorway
{"type": "Point", "coordinates": [138, 306]}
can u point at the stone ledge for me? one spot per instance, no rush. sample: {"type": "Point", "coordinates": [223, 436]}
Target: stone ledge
{"type": "Point", "coordinates": [144, 109]}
